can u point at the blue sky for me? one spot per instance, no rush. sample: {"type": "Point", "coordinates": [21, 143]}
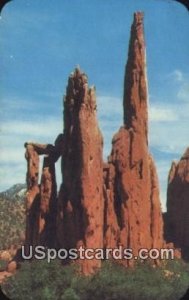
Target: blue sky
{"type": "Point", "coordinates": [41, 43]}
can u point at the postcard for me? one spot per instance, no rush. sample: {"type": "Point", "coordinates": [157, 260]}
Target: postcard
{"type": "Point", "coordinates": [94, 153]}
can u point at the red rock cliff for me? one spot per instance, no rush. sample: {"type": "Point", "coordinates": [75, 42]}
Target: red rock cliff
{"type": "Point", "coordinates": [134, 217]}
{"type": "Point", "coordinates": [177, 217]}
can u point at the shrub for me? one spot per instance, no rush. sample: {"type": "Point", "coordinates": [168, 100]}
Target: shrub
{"type": "Point", "coordinates": [45, 281]}
{"type": "Point", "coordinates": [3, 265]}
{"type": "Point", "coordinates": [12, 223]}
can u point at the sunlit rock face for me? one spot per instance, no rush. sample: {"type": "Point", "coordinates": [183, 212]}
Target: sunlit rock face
{"type": "Point", "coordinates": [134, 217]}
{"type": "Point", "coordinates": [81, 203]}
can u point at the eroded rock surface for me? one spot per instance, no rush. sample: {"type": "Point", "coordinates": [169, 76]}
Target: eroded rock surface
{"type": "Point", "coordinates": [41, 199]}
{"type": "Point", "coordinates": [133, 190]}
{"type": "Point", "coordinates": [81, 204]}
{"type": "Point", "coordinates": [177, 216]}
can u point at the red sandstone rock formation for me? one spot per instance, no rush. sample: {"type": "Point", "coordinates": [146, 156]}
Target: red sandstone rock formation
{"type": "Point", "coordinates": [81, 205]}
{"type": "Point", "coordinates": [48, 199]}
{"type": "Point", "coordinates": [177, 217]}
{"type": "Point", "coordinates": [32, 196]}
{"type": "Point", "coordinates": [100, 205]}
{"type": "Point", "coordinates": [41, 198]}
{"type": "Point", "coordinates": [132, 189]}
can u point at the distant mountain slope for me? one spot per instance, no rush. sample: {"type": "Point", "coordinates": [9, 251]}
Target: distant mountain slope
{"type": "Point", "coordinates": [12, 216]}
{"type": "Point", "coordinates": [16, 191]}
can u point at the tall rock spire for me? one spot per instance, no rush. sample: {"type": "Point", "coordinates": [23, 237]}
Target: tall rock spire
{"type": "Point", "coordinates": [81, 197]}
{"type": "Point", "coordinates": [133, 191]}
{"type": "Point", "coordinates": [135, 81]}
